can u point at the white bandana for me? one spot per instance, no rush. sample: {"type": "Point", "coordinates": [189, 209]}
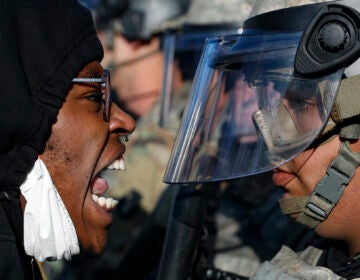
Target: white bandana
{"type": "Point", "coordinates": [49, 233]}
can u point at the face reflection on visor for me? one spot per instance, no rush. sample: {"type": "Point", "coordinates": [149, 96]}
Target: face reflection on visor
{"type": "Point", "coordinates": [291, 113]}
{"type": "Point", "coordinates": [248, 112]}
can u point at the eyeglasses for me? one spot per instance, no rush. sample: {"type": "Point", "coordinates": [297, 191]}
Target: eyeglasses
{"type": "Point", "coordinates": [105, 90]}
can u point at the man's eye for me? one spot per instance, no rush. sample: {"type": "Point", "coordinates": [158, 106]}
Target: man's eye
{"type": "Point", "coordinates": [97, 99]}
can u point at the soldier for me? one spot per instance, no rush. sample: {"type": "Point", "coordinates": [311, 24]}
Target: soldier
{"type": "Point", "coordinates": [302, 63]}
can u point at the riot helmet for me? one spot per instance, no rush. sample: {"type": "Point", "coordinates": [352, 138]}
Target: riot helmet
{"type": "Point", "coordinates": [287, 83]}
{"type": "Point", "coordinates": [138, 19]}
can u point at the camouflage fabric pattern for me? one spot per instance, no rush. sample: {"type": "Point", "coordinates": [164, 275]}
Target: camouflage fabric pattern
{"type": "Point", "coordinates": [218, 11]}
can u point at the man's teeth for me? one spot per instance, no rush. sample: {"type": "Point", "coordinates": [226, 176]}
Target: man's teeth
{"type": "Point", "coordinates": [105, 202]}
{"type": "Point", "coordinates": [118, 164]}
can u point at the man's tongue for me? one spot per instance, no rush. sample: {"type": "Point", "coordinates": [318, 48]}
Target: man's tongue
{"type": "Point", "coordinates": [99, 186]}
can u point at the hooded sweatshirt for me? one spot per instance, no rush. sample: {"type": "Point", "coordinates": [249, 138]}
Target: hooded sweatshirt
{"type": "Point", "coordinates": [43, 46]}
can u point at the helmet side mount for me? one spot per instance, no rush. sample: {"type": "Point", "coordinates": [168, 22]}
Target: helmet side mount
{"type": "Point", "coordinates": [330, 42]}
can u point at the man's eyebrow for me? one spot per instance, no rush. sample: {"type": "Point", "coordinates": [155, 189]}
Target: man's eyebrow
{"type": "Point", "coordinates": [90, 74]}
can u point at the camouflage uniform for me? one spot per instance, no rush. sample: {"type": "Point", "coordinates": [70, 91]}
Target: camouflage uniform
{"type": "Point", "coordinates": [288, 265]}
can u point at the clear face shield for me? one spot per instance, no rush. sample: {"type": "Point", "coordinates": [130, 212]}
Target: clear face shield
{"type": "Point", "coordinates": [248, 111]}
{"type": "Point", "coordinates": [182, 50]}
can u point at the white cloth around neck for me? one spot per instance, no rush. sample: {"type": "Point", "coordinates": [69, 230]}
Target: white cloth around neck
{"type": "Point", "coordinates": [49, 233]}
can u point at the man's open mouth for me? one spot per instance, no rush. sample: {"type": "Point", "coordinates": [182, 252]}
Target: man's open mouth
{"type": "Point", "coordinates": [99, 186]}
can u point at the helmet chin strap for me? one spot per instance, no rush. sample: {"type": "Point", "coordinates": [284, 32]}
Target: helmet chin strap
{"type": "Point", "coordinates": [316, 208]}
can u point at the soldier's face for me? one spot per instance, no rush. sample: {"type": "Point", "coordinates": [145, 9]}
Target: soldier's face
{"type": "Point", "coordinates": [300, 176]}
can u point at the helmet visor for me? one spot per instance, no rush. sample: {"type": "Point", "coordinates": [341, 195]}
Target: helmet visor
{"type": "Point", "coordinates": [184, 50]}
{"type": "Point", "coordinates": [248, 111]}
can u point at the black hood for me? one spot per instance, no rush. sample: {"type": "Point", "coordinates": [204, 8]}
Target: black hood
{"type": "Point", "coordinates": [43, 45]}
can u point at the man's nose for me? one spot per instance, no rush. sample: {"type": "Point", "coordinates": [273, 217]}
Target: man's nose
{"type": "Point", "coordinates": [120, 121]}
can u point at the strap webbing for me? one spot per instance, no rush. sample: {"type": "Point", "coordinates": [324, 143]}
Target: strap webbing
{"type": "Point", "coordinates": [329, 190]}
